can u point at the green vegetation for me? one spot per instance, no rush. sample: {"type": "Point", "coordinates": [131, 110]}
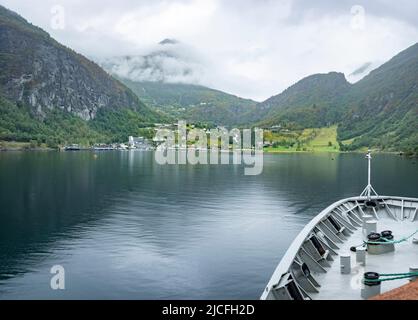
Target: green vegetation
{"type": "Point", "coordinates": [59, 127]}
{"type": "Point", "coordinates": [322, 112]}
{"type": "Point", "coordinates": [12, 145]}
{"type": "Point", "coordinates": [306, 140]}
{"type": "Point", "coordinates": [325, 140]}
{"type": "Point", "coordinates": [193, 103]}
{"type": "Point", "coordinates": [383, 107]}
{"type": "Point", "coordinates": [19, 128]}
{"type": "Point", "coordinates": [48, 77]}
{"type": "Point", "coordinates": [380, 111]}
{"type": "Point", "coordinates": [118, 125]}
{"type": "Point", "coordinates": [313, 102]}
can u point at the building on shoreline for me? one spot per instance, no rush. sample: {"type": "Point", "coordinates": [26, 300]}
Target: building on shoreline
{"type": "Point", "coordinates": [139, 143]}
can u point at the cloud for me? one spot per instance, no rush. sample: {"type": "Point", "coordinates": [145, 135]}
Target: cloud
{"type": "Point", "coordinates": [252, 48]}
{"type": "Point", "coordinates": [170, 61]}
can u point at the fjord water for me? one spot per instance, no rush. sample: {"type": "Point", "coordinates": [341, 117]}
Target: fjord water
{"type": "Point", "coordinates": [124, 227]}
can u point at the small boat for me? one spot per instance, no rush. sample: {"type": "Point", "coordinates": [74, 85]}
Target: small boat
{"type": "Point", "coordinates": [357, 248]}
{"type": "Point", "coordinates": [103, 147]}
{"type": "Point", "coordinates": [73, 147]}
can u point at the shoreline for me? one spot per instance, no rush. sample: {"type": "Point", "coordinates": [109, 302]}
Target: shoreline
{"type": "Point", "coordinates": [41, 149]}
{"type": "Point", "coordinates": [26, 147]}
{"type": "Point", "coordinates": [376, 151]}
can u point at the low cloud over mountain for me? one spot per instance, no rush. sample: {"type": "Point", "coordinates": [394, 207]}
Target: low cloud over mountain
{"type": "Point", "coordinates": [250, 48]}
{"type": "Point", "coordinates": [170, 61]}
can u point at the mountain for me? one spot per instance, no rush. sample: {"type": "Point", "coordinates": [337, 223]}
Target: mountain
{"type": "Point", "coordinates": [167, 79]}
{"type": "Point", "coordinates": [360, 72]}
{"type": "Point", "coordinates": [193, 103]}
{"type": "Point", "coordinates": [382, 108]}
{"type": "Point", "coordinates": [311, 102]}
{"type": "Point", "coordinates": [53, 95]}
{"type": "Point", "coordinates": [170, 61]}
{"type": "Point", "coordinates": [43, 78]}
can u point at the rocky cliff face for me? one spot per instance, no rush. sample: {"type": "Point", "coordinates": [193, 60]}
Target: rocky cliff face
{"type": "Point", "coordinates": [37, 71]}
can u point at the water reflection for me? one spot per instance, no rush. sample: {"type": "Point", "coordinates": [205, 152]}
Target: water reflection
{"type": "Point", "coordinates": [125, 227]}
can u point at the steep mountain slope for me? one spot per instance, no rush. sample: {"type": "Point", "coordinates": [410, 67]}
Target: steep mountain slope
{"type": "Point", "coordinates": [40, 77]}
{"type": "Point", "coordinates": [193, 103]}
{"type": "Point", "coordinates": [18, 124]}
{"type": "Point", "coordinates": [312, 102]}
{"type": "Point", "coordinates": [50, 93]}
{"type": "Point", "coordinates": [382, 108]}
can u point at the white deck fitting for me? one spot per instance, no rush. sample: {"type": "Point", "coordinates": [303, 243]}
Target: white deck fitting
{"type": "Point", "coordinates": [330, 283]}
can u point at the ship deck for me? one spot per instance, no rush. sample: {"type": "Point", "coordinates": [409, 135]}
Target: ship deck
{"type": "Point", "coordinates": [335, 285]}
{"type": "Point", "coordinates": [311, 267]}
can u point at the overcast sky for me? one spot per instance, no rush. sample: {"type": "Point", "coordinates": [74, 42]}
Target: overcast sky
{"type": "Point", "coordinates": [251, 48]}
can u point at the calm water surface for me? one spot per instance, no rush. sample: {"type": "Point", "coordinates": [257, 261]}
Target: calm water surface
{"type": "Point", "coordinates": [125, 227]}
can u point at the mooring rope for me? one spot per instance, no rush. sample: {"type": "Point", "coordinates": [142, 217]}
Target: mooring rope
{"type": "Point", "coordinates": [393, 276]}
{"type": "Point", "coordinates": [386, 241]}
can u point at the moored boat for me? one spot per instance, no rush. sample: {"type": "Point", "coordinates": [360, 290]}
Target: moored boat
{"type": "Point", "coordinates": [73, 147]}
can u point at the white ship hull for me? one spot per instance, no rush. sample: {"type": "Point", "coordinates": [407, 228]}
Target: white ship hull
{"type": "Point", "coordinates": [306, 272]}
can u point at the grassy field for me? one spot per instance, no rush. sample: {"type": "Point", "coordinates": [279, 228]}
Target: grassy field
{"type": "Point", "coordinates": [308, 140]}
{"type": "Point", "coordinates": [325, 140]}
{"type": "Point", "coordinates": [348, 142]}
